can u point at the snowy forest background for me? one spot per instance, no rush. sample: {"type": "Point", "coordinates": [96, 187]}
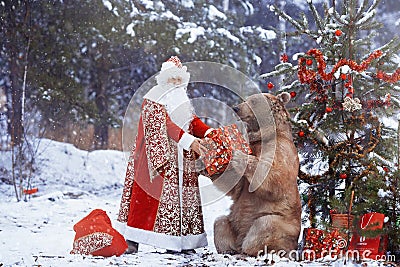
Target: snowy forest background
{"type": "Point", "coordinates": [73, 66]}
{"type": "Point", "coordinates": [68, 70]}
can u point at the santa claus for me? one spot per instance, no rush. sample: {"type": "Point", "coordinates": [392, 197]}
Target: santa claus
{"type": "Point", "coordinates": [161, 203]}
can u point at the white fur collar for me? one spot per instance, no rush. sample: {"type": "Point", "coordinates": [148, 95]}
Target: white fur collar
{"type": "Point", "coordinates": [176, 102]}
{"type": "Point", "coordinates": [173, 97]}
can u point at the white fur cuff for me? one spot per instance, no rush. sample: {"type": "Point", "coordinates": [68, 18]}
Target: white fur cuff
{"type": "Point", "coordinates": [186, 141]}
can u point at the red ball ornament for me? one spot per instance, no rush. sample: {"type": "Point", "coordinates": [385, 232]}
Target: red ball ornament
{"type": "Point", "coordinates": [379, 75]}
{"type": "Point", "coordinates": [270, 85]}
{"type": "Point", "coordinates": [338, 32]}
{"type": "Point", "coordinates": [386, 169]}
{"type": "Point", "coordinates": [284, 58]}
{"type": "Point", "coordinates": [334, 211]}
{"type": "Point", "coordinates": [293, 94]}
{"type": "Point", "coordinates": [309, 62]}
{"type": "Point", "coordinates": [343, 175]}
{"type": "Point", "coordinates": [328, 109]}
{"type": "Point", "coordinates": [301, 134]}
{"type": "Point", "coordinates": [343, 76]}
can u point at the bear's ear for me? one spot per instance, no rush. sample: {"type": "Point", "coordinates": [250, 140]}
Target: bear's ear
{"type": "Point", "coordinates": [284, 97]}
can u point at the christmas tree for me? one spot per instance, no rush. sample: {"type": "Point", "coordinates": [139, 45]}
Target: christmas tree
{"type": "Point", "coordinates": [344, 89]}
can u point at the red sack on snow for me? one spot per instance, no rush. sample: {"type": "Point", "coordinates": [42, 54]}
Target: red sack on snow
{"type": "Point", "coordinates": [220, 143]}
{"type": "Point", "coordinates": [369, 247]}
{"type": "Point", "coordinates": [95, 236]}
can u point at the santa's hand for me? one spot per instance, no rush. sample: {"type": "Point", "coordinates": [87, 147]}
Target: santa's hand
{"type": "Point", "coordinates": [198, 147]}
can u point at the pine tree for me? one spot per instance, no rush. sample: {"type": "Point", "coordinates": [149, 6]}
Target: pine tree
{"type": "Point", "coordinates": [344, 88]}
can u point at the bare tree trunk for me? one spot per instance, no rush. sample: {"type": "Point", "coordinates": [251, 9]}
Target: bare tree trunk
{"type": "Point", "coordinates": [15, 119]}
{"type": "Point", "coordinates": [16, 126]}
{"type": "Point", "coordinates": [15, 88]}
{"type": "Point", "coordinates": [17, 32]}
{"type": "Point", "coordinates": [9, 109]}
{"type": "Point", "coordinates": [101, 126]}
{"type": "Point", "coordinates": [102, 122]}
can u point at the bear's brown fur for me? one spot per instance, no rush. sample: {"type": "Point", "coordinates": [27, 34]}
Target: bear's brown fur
{"type": "Point", "coordinates": [266, 209]}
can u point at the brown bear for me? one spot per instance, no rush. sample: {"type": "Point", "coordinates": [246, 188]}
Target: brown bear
{"type": "Point", "coordinates": [266, 209]}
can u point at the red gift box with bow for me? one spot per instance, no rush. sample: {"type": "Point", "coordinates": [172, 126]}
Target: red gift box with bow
{"type": "Point", "coordinates": [319, 243]}
{"type": "Point", "coordinates": [221, 143]}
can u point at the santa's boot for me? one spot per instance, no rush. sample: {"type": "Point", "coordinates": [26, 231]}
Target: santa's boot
{"type": "Point", "coordinates": [183, 251]}
{"type": "Point", "coordinates": [132, 247]}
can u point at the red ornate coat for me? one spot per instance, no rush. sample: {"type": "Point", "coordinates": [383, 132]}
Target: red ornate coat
{"type": "Point", "coordinates": [159, 207]}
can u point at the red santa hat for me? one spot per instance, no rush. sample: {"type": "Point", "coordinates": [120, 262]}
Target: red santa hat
{"type": "Point", "coordinates": [175, 60]}
{"type": "Point", "coordinates": [172, 68]}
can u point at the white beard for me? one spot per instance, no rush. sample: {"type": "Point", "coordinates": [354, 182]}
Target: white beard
{"type": "Point", "coordinates": [176, 102]}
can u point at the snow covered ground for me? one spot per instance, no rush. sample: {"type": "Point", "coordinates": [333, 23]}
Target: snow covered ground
{"type": "Point", "coordinates": [72, 183]}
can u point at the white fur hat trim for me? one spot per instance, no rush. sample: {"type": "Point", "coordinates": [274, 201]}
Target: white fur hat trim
{"type": "Point", "coordinates": [170, 70]}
